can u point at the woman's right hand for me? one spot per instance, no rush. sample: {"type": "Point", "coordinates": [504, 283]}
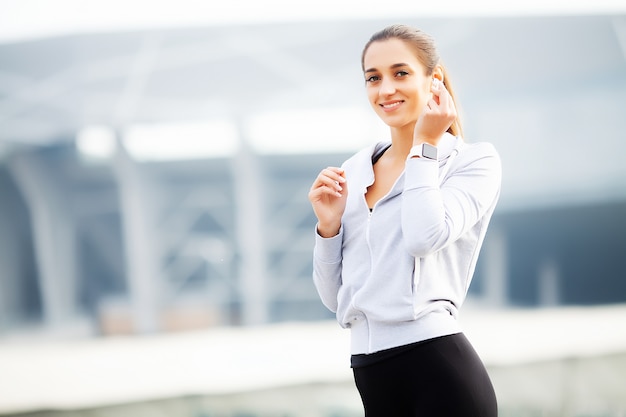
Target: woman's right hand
{"type": "Point", "coordinates": [437, 116]}
{"type": "Point", "coordinates": [328, 196]}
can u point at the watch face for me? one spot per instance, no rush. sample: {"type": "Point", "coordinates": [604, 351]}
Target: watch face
{"type": "Point", "coordinates": [429, 151]}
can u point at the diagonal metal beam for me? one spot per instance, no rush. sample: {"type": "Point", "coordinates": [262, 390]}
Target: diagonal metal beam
{"type": "Point", "coordinates": [136, 81]}
{"type": "Point", "coordinates": [619, 27]}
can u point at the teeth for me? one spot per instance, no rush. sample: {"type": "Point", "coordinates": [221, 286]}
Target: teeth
{"type": "Point", "coordinates": [388, 106]}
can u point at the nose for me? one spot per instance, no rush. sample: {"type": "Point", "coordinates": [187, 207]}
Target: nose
{"type": "Point", "coordinates": [387, 87]}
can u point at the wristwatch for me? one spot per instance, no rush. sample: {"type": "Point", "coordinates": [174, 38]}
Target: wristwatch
{"type": "Point", "coordinates": [425, 150]}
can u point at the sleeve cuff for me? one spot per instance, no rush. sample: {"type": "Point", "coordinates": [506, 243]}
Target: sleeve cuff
{"type": "Point", "coordinates": [421, 172]}
{"type": "Point", "coordinates": [328, 249]}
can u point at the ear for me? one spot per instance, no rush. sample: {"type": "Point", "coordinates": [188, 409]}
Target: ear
{"type": "Point", "coordinates": [438, 72]}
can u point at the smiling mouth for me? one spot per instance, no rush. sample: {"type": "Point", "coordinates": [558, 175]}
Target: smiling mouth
{"type": "Point", "coordinates": [391, 106]}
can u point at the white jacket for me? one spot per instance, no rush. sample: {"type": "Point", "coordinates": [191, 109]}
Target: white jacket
{"type": "Point", "coordinates": [399, 274]}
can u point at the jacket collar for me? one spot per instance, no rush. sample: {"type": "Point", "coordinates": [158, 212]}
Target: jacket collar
{"type": "Point", "coordinates": [446, 145]}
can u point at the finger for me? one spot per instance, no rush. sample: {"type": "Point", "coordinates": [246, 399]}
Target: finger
{"type": "Point", "coordinates": [431, 106]}
{"type": "Point", "coordinates": [436, 88]}
{"type": "Point", "coordinates": [336, 173]}
{"type": "Point", "coordinates": [445, 100]}
{"type": "Point", "coordinates": [332, 191]}
{"type": "Point", "coordinates": [325, 180]}
{"type": "Point", "coordinates": [332, 175]}
{"type": "Point", "coordinates": [444, 97]}
{"type": "Point", "coordinates": [323, 190]}
{"type": "Point", "coordinates": [447, 103]}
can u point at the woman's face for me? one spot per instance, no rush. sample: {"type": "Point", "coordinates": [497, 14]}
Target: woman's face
{"type": "Point", "coordinates": [396, 83]}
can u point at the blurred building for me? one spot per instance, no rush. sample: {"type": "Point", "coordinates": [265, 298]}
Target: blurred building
{"type": "Point", "coordinates": [107, 218]}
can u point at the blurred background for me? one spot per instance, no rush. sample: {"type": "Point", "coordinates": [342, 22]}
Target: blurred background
{"type": "Point", "coordinates": [155, 232]}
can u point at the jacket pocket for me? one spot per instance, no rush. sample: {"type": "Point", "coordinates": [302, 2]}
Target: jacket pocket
{"type": "Point", "coordinates": [415, 285]}
{"type": "Point", "coordinates": [416, 275]}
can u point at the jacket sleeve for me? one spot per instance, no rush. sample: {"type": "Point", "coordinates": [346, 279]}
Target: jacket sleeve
{"type": "Point", "coordinates": [327, 268]}
{"type": "Point", "coordinates": [434, 214]}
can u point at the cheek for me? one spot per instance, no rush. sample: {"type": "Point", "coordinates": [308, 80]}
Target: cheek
{"type": "Point", "coordinates": [425, 90]}
{"type": "Point", "coordinates": [423, 94]}
{"type": "Point", "coordinates": [370, 91]}
{"type": "Point", "coordinates": [372, 95]}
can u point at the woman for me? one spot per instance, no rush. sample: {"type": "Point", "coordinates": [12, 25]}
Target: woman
{"type": "Point", "coordinates": [395, 255]}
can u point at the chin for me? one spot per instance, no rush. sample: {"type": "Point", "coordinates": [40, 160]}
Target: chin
{"type": "Point", "coordinates": [396, 123]}
{"type": "Point", "coordinates": [397, 119]}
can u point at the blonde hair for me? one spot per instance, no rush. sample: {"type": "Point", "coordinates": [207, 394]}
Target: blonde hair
{"type": "Point", "coordinates": [426, 52]}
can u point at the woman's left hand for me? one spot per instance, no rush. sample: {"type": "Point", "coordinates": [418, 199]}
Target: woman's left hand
{"type": "Point", "coordinates": [437, 116]}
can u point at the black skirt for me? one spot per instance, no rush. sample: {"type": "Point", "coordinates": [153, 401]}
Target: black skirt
{"type": "Point", "coordinates": [438, 377]}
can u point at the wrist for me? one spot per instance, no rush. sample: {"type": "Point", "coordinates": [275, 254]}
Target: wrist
{"type": "Point", "coordinates": [328, 231]}
{"type": "Point", "coordinates": [425, 139]}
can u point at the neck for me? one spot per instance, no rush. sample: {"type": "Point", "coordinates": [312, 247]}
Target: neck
{"type": "Point", "coordinates": [402, 140]}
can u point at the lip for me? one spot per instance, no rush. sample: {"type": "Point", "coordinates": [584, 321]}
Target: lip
{"type": "Point", "coordinates": [389, 106]}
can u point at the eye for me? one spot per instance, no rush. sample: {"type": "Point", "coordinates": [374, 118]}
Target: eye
{"type": "Point", "coordinates": [401, 74]}
{"type": "Point", "coordinates": [372, 79]}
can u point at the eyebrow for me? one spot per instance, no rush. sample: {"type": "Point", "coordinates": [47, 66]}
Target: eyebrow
{"type": "Point", "coordinates": [398, 65]}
